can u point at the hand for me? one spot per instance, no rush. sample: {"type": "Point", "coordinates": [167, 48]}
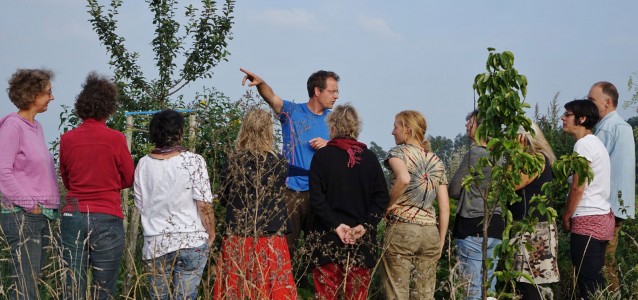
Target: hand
{"type": "Point", "coordinates": [356, 233]}
{"type": "Point", "coordinates": [318, 143]}
{"type": "Point", "coordinates": [254, 79]}
{"type": "Point", "coordinates": [567, 223]}
{"type": "Point", "coordinates": [390, 209]}
{"type": "Point", "coordinates": [343, 231]}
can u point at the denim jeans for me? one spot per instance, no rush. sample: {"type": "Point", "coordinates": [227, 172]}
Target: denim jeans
{"type": "Point", "coordinates": [95, 241]}
{"type": "Point", "coordinates": [470, 255]}
{"type": "Point", "coordinates": [27, 235]}
{"type": "Point", "coordinates": [179, 271]}
{"type": "Point", "coordinates": [408, 266]}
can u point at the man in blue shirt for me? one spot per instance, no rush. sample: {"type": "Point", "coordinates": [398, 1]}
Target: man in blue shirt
{"type": "Point", "coordinates": [304, 130]}
{"type": "Point", "coordinates": [618, 138]}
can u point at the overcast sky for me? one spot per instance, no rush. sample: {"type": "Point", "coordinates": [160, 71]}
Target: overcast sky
{"type": "Point", "coordinates": [391, 55]}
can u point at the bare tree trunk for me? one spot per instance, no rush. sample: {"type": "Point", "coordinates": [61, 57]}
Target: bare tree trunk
{"type": "Point", "coordinates": [132, 226]}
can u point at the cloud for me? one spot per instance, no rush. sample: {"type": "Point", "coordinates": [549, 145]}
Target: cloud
{"type": "Point", "coordinates": [287, 17]}
{"type": "Point", "coordinates": [378, 27]}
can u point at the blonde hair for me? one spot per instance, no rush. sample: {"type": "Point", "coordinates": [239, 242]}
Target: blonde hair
{"type": "Point", "coordinates": [256, 132]}
{"type": "Point", "coordinates": [344, 122]}
{"type": "Point", "coordinates": [418, 126]}
{"type": "Point", "coordinates": [536, 142]}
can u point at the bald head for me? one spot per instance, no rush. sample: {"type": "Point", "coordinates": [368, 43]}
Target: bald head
{"type": "Point", "coordinates": [605, 95]}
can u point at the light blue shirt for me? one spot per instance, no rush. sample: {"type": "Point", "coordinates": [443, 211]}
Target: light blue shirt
{"type": "Point", "coordinates": [618, 138]}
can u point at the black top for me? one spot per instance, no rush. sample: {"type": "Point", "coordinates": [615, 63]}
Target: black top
{"type": "Point", "coordinates": [350, 196]}
{"type": "Point", "coordinates": [521, 208]}
{"type": "Point", "coordinates": [253, 188]}
{"type": "Point", "coordinates": [464, 227]}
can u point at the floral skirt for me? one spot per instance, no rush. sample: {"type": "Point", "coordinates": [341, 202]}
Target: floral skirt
{"type": "Point", "coordinates": [254, 268]}
{"type": "Point", "coordinates": [537, 254]}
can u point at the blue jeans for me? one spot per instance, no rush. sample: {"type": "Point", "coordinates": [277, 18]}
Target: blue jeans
{"type": "Point", "coordinates": [180, 271]}
{"type": "Point", "coordinates": [470, 255]}
{"type": "Point", "coordinates": [27, 235]}
{"type": "Point", "coordinates": [95, 241]}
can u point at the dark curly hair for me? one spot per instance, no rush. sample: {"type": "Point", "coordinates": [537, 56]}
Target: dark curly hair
{"type": "Point", "coordinates": [98, 98]}
{"type": "Point", "coordinates": [26, 84]}
{"type": "Point", "coordinates": [166, 128]}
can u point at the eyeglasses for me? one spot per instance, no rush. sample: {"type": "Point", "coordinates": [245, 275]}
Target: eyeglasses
{"type": "Point", "coordinates": [567, 114]}
{"type": "Point", "coordinates": [332, 92]}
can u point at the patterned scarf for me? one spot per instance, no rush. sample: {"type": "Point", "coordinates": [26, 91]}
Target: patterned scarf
{"type": "Point", "coordinates": [353, 148]}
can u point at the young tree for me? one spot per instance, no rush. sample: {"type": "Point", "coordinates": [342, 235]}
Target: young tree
{"type": "Point", "coordinates": [200, 45]}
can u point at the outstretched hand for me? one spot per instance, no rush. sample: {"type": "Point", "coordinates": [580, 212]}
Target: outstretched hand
{"type": "Point", "coordinates": [250, 76]}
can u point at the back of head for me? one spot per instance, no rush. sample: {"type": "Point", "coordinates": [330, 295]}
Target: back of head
{"type": "Point", "coordinates": [584, 108]}
{"type": "Point", "coordinates": [344, 122]}
{"type": "Point", "coordinates": [610, 90]}
{"type": "Point", "coordinates": [26, 84]}
{"type": "Point", "coordinates": [166, 128]}
{"type": "Point", "coordinates": [417, 124]}
{"type": "Point", "coordinates": [256, 132]}
{"type": "Point", "coordinates": [536, 142]}
{"type": "Point", "coordinates": [318, 79]}
{"type": "Point", "coordinates": [98, 98]}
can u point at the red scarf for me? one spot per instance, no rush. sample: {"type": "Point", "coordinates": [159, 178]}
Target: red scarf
{"type": "Point", "coordinates": [353, 148]}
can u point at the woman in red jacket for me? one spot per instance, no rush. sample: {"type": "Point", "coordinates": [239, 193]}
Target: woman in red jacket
{"type": "Point", "coordinates": [95, 165]}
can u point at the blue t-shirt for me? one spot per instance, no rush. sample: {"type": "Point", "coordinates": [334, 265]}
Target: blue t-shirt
{"type": "Point", "coordinates": [298, 126]}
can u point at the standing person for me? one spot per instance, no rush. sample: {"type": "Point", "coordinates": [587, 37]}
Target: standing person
{"type": "Point", "coordinates": [541, 263]}
{"type": "Point", "coordinates": [587, 213]}
{"type": "Point", "coordinates": [95, 165]}
{"type": "Point", "coordinates": [173, 195]}
{"type": "Point", "coordinates": [349, 195]}
{"type": "Point", "coordinates": [304, 131]}
{"type": "Point", "coordinates": [28, 182]}
{"type": "Point", "coordinates": [618, 138]}
{"type": "Point", "coordinates": [255, 263]}
{"type": "Point", "coordinates": [413, 243]}
{"type": "Point", "coordinates": [468, 225]}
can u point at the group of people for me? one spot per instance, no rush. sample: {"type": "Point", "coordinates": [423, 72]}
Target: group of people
{"type": "Point", "coordinates": [327, 189]}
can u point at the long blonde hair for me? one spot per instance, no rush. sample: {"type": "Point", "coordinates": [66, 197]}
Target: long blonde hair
{"type": "Point", "coordinates": [256, 133]}
{"type": "Point", "coordinates": [536, 142]}
{"type": "Point", "coordinates": [418, 126]}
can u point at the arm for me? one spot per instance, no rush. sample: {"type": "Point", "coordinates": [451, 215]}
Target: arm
{"type": "Point", "coordinates": [444, 214]}
{"type": "Point", "coordinates": [207, 214]}
{"type": "Point", "coordinates": [126, 167]}
{"type": "Point", "coordinates": [455, 187]}
{"type": "Point", "coordinates": [266, 92]}
{"type": "Point", "coordinates": [573, 198]}
{"type": "Point", "coordinates": [401, 182]}
{"type": "Point", "coordinates": [318, 195]}
{"type": "Point", "coordinates": [10, 139]}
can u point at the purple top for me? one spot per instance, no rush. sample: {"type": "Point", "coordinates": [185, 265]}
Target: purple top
{"type": "Point", "coordinates": [27, 174]}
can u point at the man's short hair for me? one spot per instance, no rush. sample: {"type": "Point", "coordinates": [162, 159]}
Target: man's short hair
{"type": "Point", "coordinates": [318, 79]}
{"type": "Point", "coordinates": [610, 90]}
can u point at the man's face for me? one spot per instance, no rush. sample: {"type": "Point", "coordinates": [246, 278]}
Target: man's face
{"type": "Point", "coordinates": [328, 96]}
{"type": "Point", "coordinates": [470, 127]}
{"type": "Point", "coordinates": [602, 101]}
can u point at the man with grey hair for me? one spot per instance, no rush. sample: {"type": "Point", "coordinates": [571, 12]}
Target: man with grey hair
{"type": "Point", "coordinates": [617, 135]}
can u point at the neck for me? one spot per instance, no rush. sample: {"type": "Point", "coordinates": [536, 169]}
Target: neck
{"type": "Point", "coordinates": [413, 143]}
{"type": "Point", "coordinates": [27, 115]}
{"type": "Point", "coordinates": [581, 133]}
{"type": "Point", "coordinates": [314, 107]}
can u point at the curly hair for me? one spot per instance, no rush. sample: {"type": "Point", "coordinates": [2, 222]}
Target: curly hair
{"type": "Point", "coordinates": [26, 84]}
{"type": "Point", "coordinates": [344, 122]}
{"type": "Point", "coordinates": [256, 133]}
{"type": "Point", "coordinates": [165, 128]}
{"type": "Point", "coordinates": [98, 98]}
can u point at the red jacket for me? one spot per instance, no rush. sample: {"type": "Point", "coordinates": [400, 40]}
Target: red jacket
{"type": "Point", "coordinates": [95, 165]}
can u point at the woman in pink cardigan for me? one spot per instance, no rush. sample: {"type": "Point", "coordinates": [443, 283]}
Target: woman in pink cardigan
{"type": "Point", "coordinates": [28, 182]}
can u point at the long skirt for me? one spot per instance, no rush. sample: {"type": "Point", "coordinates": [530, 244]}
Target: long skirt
{"type": "Point", "coordinates": [254, 268]}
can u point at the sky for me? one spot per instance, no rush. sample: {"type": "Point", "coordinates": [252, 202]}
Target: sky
{"type": "Point", "coordinates": [390, 55]}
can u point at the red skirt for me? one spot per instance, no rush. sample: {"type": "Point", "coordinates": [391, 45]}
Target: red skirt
{"type": "Point", "coordinates": [254, 268]}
